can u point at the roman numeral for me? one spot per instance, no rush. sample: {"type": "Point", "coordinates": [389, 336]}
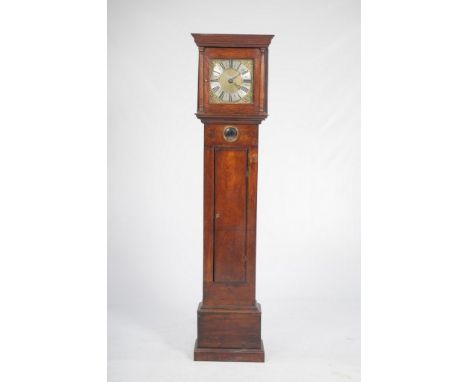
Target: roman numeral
{"type": "Point", "coordinates": [221, 95]}
{"type": "Point", "coordinates": [215, 89]}
{"type": "Point", "coordinates": [244, 89]}
{"type": "Point", "coordinates": [230, 97]}
{"type": "Point", "coordinates": [248, 81]}
{"type": "Point", "coordinates": [230, 63]}
{"type": "Point", "coordinates": [222, 65]}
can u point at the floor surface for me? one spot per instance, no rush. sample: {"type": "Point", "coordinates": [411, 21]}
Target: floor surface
{"type": "Point", "coordinates": [304, 341]}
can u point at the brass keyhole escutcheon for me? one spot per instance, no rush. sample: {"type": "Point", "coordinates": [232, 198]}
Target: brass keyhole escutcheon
{"type": "Point", "coordinates": [231, 134]}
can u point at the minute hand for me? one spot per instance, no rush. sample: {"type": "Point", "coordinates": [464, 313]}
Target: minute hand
{"type": "Point", "coordinates": [231, 80]}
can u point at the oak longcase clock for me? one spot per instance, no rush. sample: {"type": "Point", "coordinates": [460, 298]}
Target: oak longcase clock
{"type": "Point", "coordinates": [232, 102]}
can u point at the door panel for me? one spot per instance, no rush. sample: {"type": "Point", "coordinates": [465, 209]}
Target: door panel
{"type": "Point", "coordinates": [230, 169]}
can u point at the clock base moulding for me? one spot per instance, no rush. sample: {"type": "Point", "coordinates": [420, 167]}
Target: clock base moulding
{"type": "Point", "coordinates": [233, 355]}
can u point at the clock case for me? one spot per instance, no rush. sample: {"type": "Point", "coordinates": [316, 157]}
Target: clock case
{"type": "Point", "coordinates": [229, 317]}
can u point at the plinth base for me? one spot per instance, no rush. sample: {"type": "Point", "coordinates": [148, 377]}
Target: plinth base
{"type": "Point", "coordinates": [229, 333]}
{"type": "Point", "coordinates": [236, 355]}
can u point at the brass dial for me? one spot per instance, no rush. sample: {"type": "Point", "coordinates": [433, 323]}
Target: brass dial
{"type": "Point", "coordinates": [231, 81]}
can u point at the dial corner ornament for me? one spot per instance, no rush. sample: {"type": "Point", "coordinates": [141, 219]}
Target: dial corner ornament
{"type": "Point", "coordinates": [231, 81]}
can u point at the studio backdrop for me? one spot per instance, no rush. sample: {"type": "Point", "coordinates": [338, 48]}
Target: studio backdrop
{"type": "Point", "coordinates": [308, 203]}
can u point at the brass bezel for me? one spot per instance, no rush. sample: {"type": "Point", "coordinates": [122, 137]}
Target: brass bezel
{"type": "Point", "coordinates": [228, 139]}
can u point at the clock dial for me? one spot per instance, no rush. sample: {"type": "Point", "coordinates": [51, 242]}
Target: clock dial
{"type": "Point", "coordinates": [231, 81]}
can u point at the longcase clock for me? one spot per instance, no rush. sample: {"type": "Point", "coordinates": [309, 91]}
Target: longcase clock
{"type": "Point", "coordinates": [232, 102]}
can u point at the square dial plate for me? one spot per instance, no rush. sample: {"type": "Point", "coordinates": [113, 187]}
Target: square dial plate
{"type": "Point", "coordinates": [231, 81]}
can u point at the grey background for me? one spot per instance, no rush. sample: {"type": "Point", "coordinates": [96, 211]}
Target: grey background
{"type": "Point", "coordinates": [308, 248]}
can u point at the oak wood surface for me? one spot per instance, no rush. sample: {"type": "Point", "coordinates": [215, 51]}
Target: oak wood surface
{"type": "Point", "coordinates": [230, 214]}
{"type": "Point", "coordinates": [233, 40]}
{"type": "Point", "coordinates": [230, 355]}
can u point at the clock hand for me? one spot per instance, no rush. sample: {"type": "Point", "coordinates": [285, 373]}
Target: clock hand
{"type": "Point", "coordinates": [231, 80]}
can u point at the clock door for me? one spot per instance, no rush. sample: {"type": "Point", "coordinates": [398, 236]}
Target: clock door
{"type": "Point", "coordinates": [229, 228]}
{"type": "Point", "coordinates": [230, 208]}
{"type": "Point", "coordinates": [233, 80]}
